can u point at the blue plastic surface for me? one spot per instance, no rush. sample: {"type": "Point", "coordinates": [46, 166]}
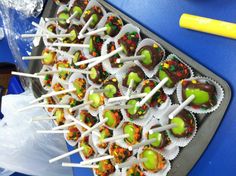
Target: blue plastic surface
{"type": "Point", "coordinates": [216, 53]}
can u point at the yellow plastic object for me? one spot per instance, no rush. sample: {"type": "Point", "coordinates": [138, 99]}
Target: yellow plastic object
{"type": "Point", "coordinates": [207, 25]}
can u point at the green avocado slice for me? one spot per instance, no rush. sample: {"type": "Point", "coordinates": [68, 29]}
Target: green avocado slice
{"type": "Point", "coordinates": [180, 128]}
{"type": "Point", "coordinates": [110, 90]}
{"type": "Point", "coordinates": [163, 75]}
{"type": "Point", "coordinates": [147, 57]}
{"type": "Point", "coordinates": [201, 96]}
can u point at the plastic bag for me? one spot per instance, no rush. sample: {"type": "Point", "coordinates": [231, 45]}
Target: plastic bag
{"type": "Point", "coordinates": [17, 19]}
{"type": "Point", "coordinates": [27, 7]}
{"type": "Point", "coordinates": [21, 148]}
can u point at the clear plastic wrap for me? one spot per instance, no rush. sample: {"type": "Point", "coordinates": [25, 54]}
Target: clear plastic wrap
{"type": "Point", "coordinates": [22, 149]}
{"type": "Point", "coordinates": [16, 16]}
{"type": "Point", "coordinates": [27, 7]}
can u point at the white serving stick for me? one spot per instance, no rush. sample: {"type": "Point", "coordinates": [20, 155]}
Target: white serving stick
{"type": "Point", "coordinates": [33, 35]}
{"type": "Point", "coordinates": [122, 98]}
{"type": "Point", "coordinates": [51, 94]}
{"type": "Point", "coordinates": [53, 19]}
{"type": "Point", "coordinates": [81, 33]}
{"type": "Point", "coordinates": [129, 90]}
{"type": "Point", "coordinates": [83, 125]}
{"type": "Point", "coordinates": [33, 57]}
{"type": "Point", "coordinates": [64, 126]}
{"type": "Point", "coordinates": [131, 163]}
{"type": "Point", "coordinates": [61, 52]}
{"type": "Point", "coordinates": [80, 165]}
{"type": "Point", "coordinates": [114, 107]}
{"type": "Point", "coordinates": [150, 94]}
{"type": "Point", "coordinates": [42, 28]}
{"type": "Point", "coordinates": [46, 35]}
{"type": "Point", "coordinates": [52, 132]}
{"type": "Point", "coordinates": [162, 128]}
{"type": "Point", "coordinates": [99, 91]}
{"type": "Point", "coordinates": [65, 155]}
{"type": "Point", "coordinates": [95, 160]}
{"type": "Point", "coordinates": [48, 72]}
{"type": "Point", "coordinates": [95, 31]}
{"type": "Point", "coordinates": [26, 75]}
{"type": "Point", "coordinates": [59, 35]}
{"type": "Point", "coordinates": [72, 17]}
{"type": "Point", "coordinates": [97, 125]}
{"type": "Point", "coordinates": [147, 142]}
{"type": "Point", "coordinates": [74, 70]}
{"type": "Point", "coordinates": [127, 59]}
{"type": "Point", "coordinates": [115, 138]}
{"type": "Point", "coordinates": [104, 57]}
{"type": "Point", "coordinates": [44, 106]}
{"type": "Point", "coordinates": [80, 106]}
{"type": "Point", "coordinates": [68, 45]}
{"type": "Point", "coordinates": [43, 118]}
{"type": "Point", "coordinates": [181, 106]}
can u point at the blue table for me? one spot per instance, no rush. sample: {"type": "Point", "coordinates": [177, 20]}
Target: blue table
{"type": "Point", "coordinates": [216, 53]}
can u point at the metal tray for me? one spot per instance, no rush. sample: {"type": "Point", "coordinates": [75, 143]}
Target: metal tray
{"type": "Point", "coordinates": [207, 124]}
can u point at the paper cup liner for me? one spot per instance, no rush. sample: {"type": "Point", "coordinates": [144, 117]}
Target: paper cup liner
{"type": "Point", "coordinates": [106, 63]}
{"type": "Point", "coordinates": [101, 117]}
{"type": "Point", "coordinates": [92, 111]}
{"type": "Point", "coordinates": [121, 75]}
{"type": "Point", "coordinates": [116, 173]}
{"type": "Point", "coordinates": [41, 80]}
{"type": "Point", "coordinates": [71, 142]}
{"type": "Point", "coordinates": [78, 118]}
{"type": "Point", "coordinates": [181, 142]}
{"type": "Point", "coordinates": [113, 160]}
{"type": "Point", "coordinates": [60, 9]}
{"type": "Point", "coordinates": [60, 4]}
{"type": "Point", "coordinates": [124, 170]}
{"type": "Point", "coordinates": [45, 40]}
{"type": "Point", "coordinates": [63, 58]}
{"type": "Point", "coordinates": [65, 100]}
{"type": "Point", "coordinates": [110, 77]}
{"type": "Point", "coordinates": [219, 95]}
{"type": "Point", "coordinates": [124, 30]}
{"type": "Point", "coordinates": [92, 83]}
{"type": "Point", "coordinates": [141, 121]}
{"type": "Point", "coordinates": [168, 90]}
{"type": "Point", "coordinates": [95, 140]}
{"type": "Point", "coordinates": [56, 79]}
{"type": "Point", "coordinates": [73, 22]}
{"type": "Point", "coordinates": [91, 144]}
{"type": "Point", "coordinates": [164, 105]}
{"type": "Point", "coordinates": [50, 112]}
{"type": "Point", "coordinates": [121, 142]}
{"type": "Point", "coordinates": [89, 6]}
{"type": "Point", "coordinates": [70, 5]}
{"type": "Point", "coordinates": [85, 51]}
{"type": "Point", "coordinates": [148, 42]}
{"type": "Point", "coordinates": [54, 68]}
{"type": "Point", "coordinates": [72, 78]}
{"type": "Point", "coordinates": [102, 22]}
{"type": "Point", "coordinates": [162, 172]}
{"type": "Point", "coordinates": [170, 151]}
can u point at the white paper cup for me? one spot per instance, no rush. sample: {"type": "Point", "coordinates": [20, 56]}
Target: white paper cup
{"type": "Point", "coordinates": [148, 42]}
{"type": "Point", "coordinates": [124, 30]}
{"type": "Point", "coordinates": [181, 142]}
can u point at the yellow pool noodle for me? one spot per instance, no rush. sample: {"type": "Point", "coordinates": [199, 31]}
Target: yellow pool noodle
{"type": "Point", "coordinates": [207, 25]}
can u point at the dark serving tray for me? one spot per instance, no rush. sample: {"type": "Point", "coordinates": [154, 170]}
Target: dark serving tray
{"type": "Point", "coordinates": [207, 124]}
